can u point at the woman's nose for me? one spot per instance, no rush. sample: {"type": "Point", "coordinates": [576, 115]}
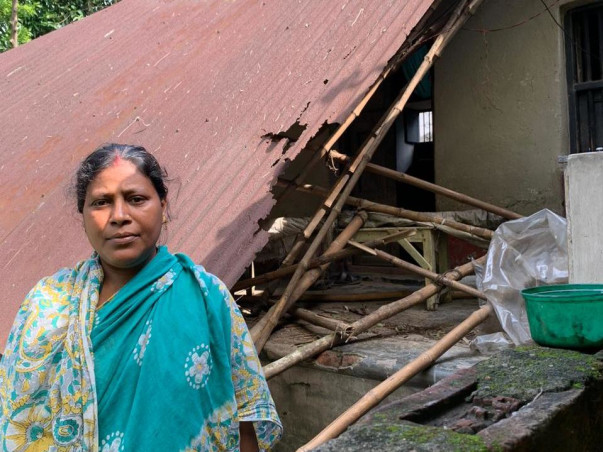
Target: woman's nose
{"type": "Point", "coordinates": [120, 213]}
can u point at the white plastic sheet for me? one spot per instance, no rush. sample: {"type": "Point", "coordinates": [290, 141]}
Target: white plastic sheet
{"type": "Point", "coordinates": [528, 252]}
{"type": "Point", "coordinates": [490, 343]}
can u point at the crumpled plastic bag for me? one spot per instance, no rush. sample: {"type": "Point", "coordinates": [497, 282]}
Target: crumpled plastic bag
{"type": "Point", "coordinates": [523, 253]}
{"type": "Point", "coordinates": [490, 343]}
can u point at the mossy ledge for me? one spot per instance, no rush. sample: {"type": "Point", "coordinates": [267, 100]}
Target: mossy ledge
{"type": "Point", "coordinates": [405, 436]}
{"type": "Point", "coordinates": [524, 372]}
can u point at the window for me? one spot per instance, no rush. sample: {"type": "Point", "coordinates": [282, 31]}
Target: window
{"type": "Point", "coordinates": [419, 127]}
{"type": "Point", "coordinates": [584, 49]}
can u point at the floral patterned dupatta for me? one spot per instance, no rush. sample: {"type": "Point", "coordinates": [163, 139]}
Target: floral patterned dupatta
{"type": "Point", "coordinates": [174, 368]}
{"type": "Point", "coordinates": [47, 397]}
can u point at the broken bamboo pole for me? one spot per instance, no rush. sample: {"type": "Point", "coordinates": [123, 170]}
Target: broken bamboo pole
{"type": "Point", "coordinates": [382, 390]}
{"type": "Point", "coordinates": [421, 216]}
{"type": "Point", "coordinates": [321, 297]}
{"type": "Point", "coordinates": [477, 241]}
{"type": "Point", "coordinates": [324, 259]}
{"type": "Point", "coordinates": [264, 328]}
{"type": "Point", "coordinates": [438, 279]}
{"type": "Point", "coordinates": [434, 188]}
{"type": "Point", "coordinates": [266, 324]}
{"type": "Point", "coordinates": [424, 217]}
{"type": "Point", "coordinates": [368, 321]}
{"type": "Point", "coordinates": [345, 296]}
{"type": "Point", "coordinates": [319, 320]}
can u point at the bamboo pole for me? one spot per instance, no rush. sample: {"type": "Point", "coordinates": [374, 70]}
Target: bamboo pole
{"type": "Point", "coordinates": [324, 259]}
{"type": "Point", "coordinates": [381, 391]}
{"type": "Point", "coordinates": [420, 270]}
{"type": "Point", "coordinates": [266, 324]}
{"type": "Point", "coordinates": [348, 297]}
{"type": "Point", "coordinates": [477, 241]}
{"type": "Point", "coordinates": [434, 188]}
{"type": "Point", "coordinates": [424, 217]}
{"type": "Point", "coordinates": [319, 320]}
{"type": "Point", "coordinates": [345, 296]}
{"type": "Point", "coordinates": [368, 321]}
{"type": "Point", "coordinates": [420, 216]}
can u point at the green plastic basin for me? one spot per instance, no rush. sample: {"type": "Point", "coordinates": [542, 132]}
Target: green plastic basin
{"type": "Point", "coordinates": [566, 315]}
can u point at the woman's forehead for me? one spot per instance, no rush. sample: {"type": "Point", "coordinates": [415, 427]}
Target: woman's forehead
{"type": "Point", "coordinates": [121, 174]}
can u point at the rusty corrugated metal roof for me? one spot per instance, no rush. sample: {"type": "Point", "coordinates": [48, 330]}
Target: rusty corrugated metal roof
{"type": "Point", "coordinates": [197, 83]}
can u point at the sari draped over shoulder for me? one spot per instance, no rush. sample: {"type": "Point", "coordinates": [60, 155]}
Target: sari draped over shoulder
{"type": "Point", "coordinates": [166, 365]}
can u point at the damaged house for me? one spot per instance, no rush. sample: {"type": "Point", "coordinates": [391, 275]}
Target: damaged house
{"type": "Point", "coordinates": [385, 139]}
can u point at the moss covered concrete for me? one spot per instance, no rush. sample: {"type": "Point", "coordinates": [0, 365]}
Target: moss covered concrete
{"type": "Point", "coordinates": [404, 437]}
{"type": "Point", "coordinates": [564, 387]}
{"type": "Point", "coordinates": [524, 372]}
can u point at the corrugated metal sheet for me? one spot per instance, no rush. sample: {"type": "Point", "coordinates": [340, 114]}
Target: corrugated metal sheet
{"type": "Point", "coordinates": [199, 83]}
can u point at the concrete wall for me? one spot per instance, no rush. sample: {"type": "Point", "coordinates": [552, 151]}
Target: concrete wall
{"type": "Point", "coordinates": [307, 400]}
{"type": "Point", "coordinates": [500, 114]}
{"type": "Point", "coordinates": [584, 202]}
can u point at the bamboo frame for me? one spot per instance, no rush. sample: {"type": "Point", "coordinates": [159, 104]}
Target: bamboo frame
{"type": "Point", "coordinates": [379, 392]}
{"type": "Point", "coordinates": [266, 324]}
{"type": "Point", "coordinates": [363, 324]}
{"type": "Point", "coordinates": [434, 188]}
{"type": "Point", "coordinates": [292, 256]}
{"type": "Point", "coordinates": [324, 259]}
{"type": "Point", "coordinates": [262, 330]}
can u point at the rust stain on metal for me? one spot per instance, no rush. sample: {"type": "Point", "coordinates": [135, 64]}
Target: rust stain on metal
{"type": "Point", "coordinates": [200, 84]}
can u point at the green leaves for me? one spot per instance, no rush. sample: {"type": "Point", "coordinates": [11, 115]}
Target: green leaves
{"type": "Point", "coordinates": [38, 17]}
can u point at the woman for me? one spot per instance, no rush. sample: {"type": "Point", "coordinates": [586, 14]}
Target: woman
{"type": "Point", "coordinates": [134, 349]}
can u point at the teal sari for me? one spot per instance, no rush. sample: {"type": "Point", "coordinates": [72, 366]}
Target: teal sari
{"type": "Point", "coordinates": [165, 365]}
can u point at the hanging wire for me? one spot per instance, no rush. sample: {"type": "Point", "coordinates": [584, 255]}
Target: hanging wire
{"type": "Point", "coordinates": [523, 22]}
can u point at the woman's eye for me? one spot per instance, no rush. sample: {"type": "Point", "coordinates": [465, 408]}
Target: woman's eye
{"type": "Point", "coordinates": [99, 203]}
{"type": "Point", "coordinates": [137, 199]}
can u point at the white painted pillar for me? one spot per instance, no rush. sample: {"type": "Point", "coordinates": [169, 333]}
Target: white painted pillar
{"type": "Point", "coordinates": [584, 211]}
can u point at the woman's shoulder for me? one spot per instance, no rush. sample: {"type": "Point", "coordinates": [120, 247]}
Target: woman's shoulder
{"type": "Point", "coordinates": [211, 281]}
{"type": "Point", "coordinates": [60, 280]}
{"type": "Point", "coordinates": [208, 281]}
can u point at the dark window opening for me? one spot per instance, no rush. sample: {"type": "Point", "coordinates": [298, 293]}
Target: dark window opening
{"type": "Point", "coordinates": [584, 48]}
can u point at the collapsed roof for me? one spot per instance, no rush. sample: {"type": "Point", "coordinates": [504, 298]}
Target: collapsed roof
{"type": "Point", "coordinates": [211, 88]}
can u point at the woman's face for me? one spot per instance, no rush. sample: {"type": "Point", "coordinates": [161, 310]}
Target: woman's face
{"type": "Point", "coordinates": [123, 216]}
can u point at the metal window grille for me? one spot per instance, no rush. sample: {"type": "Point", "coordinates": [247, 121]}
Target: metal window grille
{"type": "Point", "coordinates": [584, 33]}
{"type": "Point", "coordinates": [425, 127]}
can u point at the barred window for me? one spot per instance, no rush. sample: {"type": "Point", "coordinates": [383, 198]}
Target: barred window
{"type": "Point", "coordinates": [584, 37]}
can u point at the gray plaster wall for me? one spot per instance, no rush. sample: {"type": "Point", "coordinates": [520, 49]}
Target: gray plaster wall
{"type": "Point", "coordinates": [584, 202]}
{"type": "Point", "coordinates": [500, 108]}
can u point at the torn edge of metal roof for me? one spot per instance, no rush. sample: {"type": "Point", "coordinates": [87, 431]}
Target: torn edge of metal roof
{"type": "Point", "coordinates": [416, 38]}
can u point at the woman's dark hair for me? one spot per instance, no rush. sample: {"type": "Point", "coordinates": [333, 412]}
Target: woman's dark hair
{"type": "Point", "coordinates": [104, 157]}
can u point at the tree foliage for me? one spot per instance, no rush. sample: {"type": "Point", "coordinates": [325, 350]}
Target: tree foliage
{"type": "Point", "coordinates": [38, 17]}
